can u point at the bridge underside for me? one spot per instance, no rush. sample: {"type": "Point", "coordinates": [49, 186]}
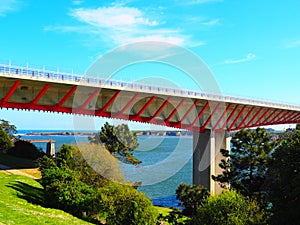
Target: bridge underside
{"type": "Point", "coordinates": [191, 113]}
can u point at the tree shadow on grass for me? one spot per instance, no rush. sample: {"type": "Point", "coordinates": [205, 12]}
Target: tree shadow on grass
{"type": "Point", "coordinates": [29, 193]}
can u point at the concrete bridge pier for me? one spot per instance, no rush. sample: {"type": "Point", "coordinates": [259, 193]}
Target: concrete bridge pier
{"type": "Point", "coordinates": [50, 149]}
{"type": "Point", "coordinates": [207, 156]}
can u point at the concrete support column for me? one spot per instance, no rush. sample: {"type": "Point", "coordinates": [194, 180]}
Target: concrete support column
{"type": "Point", "coordinates": [207, 157]}
{"type": "Point", "coordinates": [50, 149]}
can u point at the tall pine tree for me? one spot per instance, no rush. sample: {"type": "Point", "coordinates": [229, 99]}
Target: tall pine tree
{"type": "Point", "coordinates": [245, 165]}
{"type": "Point", "coordinates": [119, 141]}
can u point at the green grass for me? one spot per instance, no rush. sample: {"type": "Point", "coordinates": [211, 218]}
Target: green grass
{"type": "Point", "coordinates": [21, 202]}
{"type": "Point", "coordinates": [163, 211]}
{"type": "Point", "coordinates": [16, 163]}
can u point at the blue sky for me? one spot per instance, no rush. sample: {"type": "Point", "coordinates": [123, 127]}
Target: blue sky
{"type": "Point", "coordinates": [251, 46]}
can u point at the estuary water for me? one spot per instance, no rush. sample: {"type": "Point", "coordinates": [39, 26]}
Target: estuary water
{"type": "Point", "coordinates": [166, 161]}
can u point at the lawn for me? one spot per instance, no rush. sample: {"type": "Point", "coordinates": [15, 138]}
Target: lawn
{"type": "Point", "coordinates": [21, 202]}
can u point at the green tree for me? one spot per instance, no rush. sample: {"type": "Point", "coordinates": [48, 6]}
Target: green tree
{"type": "Point", "coordinates": [245, 166]}
{"type": "Point", "coordinates": [191, 198]}
{"type": "Point", "coordinates": [230, 208]}
{"type": "Point", "coordinates": [10, 129]}
{"type": "Point", "coordinates": [119, 140]}
{"type": "Point", "coordinates": [25, 149]}
{"type": "Point", "coordinates": [284, 179]}
{"type": "Point", "coordinates": [5, 141]}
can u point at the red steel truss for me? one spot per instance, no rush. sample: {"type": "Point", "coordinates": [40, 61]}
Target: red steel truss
{"type": "Point", "coordinates": [173, 111]}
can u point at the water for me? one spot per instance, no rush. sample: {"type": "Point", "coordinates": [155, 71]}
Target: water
{"type": "Point", "coordinates": [166, 161]}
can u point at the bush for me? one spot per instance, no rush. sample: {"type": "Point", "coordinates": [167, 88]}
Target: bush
{"type": "Point", "coordinates": [25, 149]}
{"type": "Point", "coordinates": [72, 185]}
{"type": "Point", "coordinates": [5, 141]}
{"type": "Point", "coordinates": [124, 205]}
{"type": "Point", "coordinates": [229, 208]}
{"type": "Point", "coordinates": [191, 198]}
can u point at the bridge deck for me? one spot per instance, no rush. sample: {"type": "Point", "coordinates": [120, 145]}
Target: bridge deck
{"type": "Point", "coordinates": [31, 89]}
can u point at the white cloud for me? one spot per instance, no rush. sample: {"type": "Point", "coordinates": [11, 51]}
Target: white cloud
{"type": "Point", "coordinates": [77, 2]}
{"type": "Point", "coordinates": [293, 44]}
{"type": "Point", "coordinates": [248, 57]}
{"type": "Point", "coordinates": [198, 2]}
{"type": "Point", "coordinates": [122, 25]}
{"type": "Point", "coordinates": [7, 6]}
{"type": "Point", "coordinates": [112, 16]}
{"type": "Point", "coordinates": [211, 22]}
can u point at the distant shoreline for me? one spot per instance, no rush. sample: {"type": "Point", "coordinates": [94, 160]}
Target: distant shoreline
{"type": "Point", "coordinates": [90, 133]}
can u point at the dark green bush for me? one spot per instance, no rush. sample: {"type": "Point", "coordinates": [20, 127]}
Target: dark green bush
{"type": "Point", "coordinates": [124, 205]}
{"type": "Point", "coordinates": [5, 141]}
{"type": "Point", "coordinates": [71, 184]}
{"type": "Point", "coordinates": [191, 198]}
{"type": "Point", "coordinates": [229, 208]}
{"type": "Point", "coordinates": [25, 149]}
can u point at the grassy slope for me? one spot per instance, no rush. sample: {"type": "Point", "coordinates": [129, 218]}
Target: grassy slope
{"type": "Point", "coordinates": [16, 163]}
{"type": "Point", "coordinates": [21, 197]}
{"type": "Point", "coordinates": [21, 203]}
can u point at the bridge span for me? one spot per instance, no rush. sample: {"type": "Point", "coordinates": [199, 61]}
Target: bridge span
{"type": "Point", "coordinates": [209, 116]}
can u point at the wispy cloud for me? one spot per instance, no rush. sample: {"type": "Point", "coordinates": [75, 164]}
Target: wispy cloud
{"type": "Point", "coordinates": [293, 44]}
{"type": "Point", "coordinates": [210, 23]}
{"type": "Point", "coordinates": [248, 57]}
{"type": "Point", "coordinates": [119, 25]}
{"type": "Point", "coordinates": [112, 17]}
{"type": "Point", "coordinates": [7, 6]}
{"type": "Point", "coordinates": [77, 2]}
{"type": "Point", "coordinates": [198, 2]}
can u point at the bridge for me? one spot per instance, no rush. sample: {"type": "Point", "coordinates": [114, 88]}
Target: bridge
{"type": "Point", "coordinates": [210, 116]}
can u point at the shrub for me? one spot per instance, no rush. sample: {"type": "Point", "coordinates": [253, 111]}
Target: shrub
{"type": "Point", "coordinates": [5, 141]}
{"type": "Point", "coordinates": [124, 205]}
{"type": "Point", "coordinates": [229, 208]}
{"type": "Point", "coordinates": [72, 185]}
{"type": "Point", "coordinates": [25, 149]}
{"type": "Point", "coordinates": [64, 190]}
{"type": "Point", "coordinates": [191, 198]}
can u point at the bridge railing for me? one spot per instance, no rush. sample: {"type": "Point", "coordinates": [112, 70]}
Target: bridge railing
{"type": "Point", "coordinates": [56, 75]}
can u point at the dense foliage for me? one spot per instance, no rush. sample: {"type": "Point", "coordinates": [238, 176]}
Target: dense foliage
{"type": "Point", "coordinates": [119, 140]}
{"type": "Point", "coordinates": [191, 198]}
{"type": "Point", "coordinates": [245, 166]}
{"type": "Point", "coordinates": [25, 149]}
{"type": "Point", "coordinates": [229, 208]}
{"type": "Point", "coordinates": [284, 179]}
{"type": "Point", "coordinates": [5, 141]}
{"type": "Point", "coordinates": [71, 184]}
{"type": "Point", "coordinates": [124, 205]}
{"type": "Point", "coordinates": [10, 129]}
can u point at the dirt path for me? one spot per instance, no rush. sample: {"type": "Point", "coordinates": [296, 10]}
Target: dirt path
{"type": "Point", "coordinates": [15, 171]}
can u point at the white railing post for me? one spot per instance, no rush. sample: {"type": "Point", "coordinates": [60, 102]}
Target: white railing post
{"type": "Point", "coordinates": [9, 66]}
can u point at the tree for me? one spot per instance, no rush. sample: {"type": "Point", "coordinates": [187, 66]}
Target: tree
{"type": "Point", "coordinates": [5, 141]}
{"type": "Point", "coordinates": [191, 198]}
{"type": "Point", "coordinates": [25, 149]}
{"type": "Point", "coordinates": [230, 208]}
{"type": "Point", "coordinates": [245, 167]}
{"type": "Point", "coordinates": [119, 140]}
{"type": "Point", "coordinates": [284, 179]}
{"type": "Point", "coordinates": [10, 129]}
